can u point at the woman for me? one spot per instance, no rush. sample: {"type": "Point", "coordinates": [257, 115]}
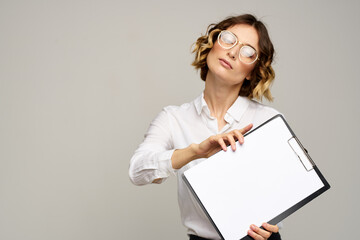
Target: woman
{"type": "Point", "coordinates": [234, 59]}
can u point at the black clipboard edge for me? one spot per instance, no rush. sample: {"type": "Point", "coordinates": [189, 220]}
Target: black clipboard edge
{"type": "Point", "coordinates": [269, 120]}
{"type": "Point", "coordinates": [299, 205]}
{"type": "Point", "coordinates": [201, 205]}
{"type": "Point", "coordinates": [303, 202]}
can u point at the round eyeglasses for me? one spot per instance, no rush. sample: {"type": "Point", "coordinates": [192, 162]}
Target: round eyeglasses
{"type": "Point", "coordinates": [228, 40]}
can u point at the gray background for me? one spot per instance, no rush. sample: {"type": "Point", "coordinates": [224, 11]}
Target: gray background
{"type": "Point", "coordinates": [80, 82]}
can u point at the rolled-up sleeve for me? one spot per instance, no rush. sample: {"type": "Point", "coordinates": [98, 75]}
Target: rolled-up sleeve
{"type": "Point", "coordinates": [152, 159]}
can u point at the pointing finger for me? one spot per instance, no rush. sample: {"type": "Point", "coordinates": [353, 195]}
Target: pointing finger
{"type": "Point", "coordinates": [246, 129]}
{"type": "Point", "coordinates": [239, 136]}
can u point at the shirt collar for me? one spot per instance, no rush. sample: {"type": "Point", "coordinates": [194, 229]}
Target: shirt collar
{"type": "Point", "coordinates": [236, 110]}
{"type": "Point", "coordinates": [200, 103]}
{"type": "Point", "coordinates": [239, 107]}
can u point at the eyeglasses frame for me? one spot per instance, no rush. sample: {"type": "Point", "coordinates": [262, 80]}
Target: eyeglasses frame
{"type": "Point", "coordinates": [237, 41]}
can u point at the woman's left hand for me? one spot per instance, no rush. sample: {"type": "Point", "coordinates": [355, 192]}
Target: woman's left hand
{"type": "Point", "coordinates": [262, 234]}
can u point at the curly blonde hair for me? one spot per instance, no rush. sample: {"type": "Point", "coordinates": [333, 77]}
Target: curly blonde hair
{"type": "Point", "coordinates": [262, 76]}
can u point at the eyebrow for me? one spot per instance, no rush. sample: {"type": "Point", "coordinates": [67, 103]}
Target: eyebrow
{"type": "Point", "coordinates": [242, 42]}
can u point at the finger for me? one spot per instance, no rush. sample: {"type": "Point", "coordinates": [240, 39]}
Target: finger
{"type": "Point", "coordinates": [246, 129]}
{"type": "Point", "coordinates": [222, 144]}
{"type": "Point", "coordinates": [239, 136]}
{"type": "Point", "coordinates": [263, 233]}
{"type": "Point", "coordinates": [271, 228]}
{"type": "Point", "coordinates": [254, 235]}
{"type": "Point", "coordinates": [231, 140]}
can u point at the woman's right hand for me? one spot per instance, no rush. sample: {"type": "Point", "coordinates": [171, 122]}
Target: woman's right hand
{"type": "Point", "coordinates": [208, 147]}
{"type": "Point", "coordinates": [215, 143]}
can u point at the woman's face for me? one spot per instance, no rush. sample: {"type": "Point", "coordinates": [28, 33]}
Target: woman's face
{"type": "Point", "coordinates": [225, 65]}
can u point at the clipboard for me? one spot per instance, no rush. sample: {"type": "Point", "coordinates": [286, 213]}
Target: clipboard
{"type": "Point", "coordinates": [266, 179]}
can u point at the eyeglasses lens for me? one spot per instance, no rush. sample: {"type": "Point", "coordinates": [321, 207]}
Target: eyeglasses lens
{"type": "Point", "coordinates": [227, 40]}
{"type": "Point", "coordinates": [247, 54]}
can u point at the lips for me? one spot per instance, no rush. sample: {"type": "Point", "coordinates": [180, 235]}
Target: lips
{"type": "Point", "coordinates": [225, 63]}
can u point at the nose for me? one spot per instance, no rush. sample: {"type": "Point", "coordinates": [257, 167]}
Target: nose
{"type": "Point", "coordinates": [231, 53]}
{"type": "Point", "coordinates": [234, 52]}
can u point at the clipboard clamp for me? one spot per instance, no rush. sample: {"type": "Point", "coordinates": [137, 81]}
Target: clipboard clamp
{"type": "Point", "coordinates": [302, 153]}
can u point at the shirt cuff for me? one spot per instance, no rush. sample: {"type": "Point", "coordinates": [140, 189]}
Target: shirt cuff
{"type": "Point", "coordinates": [165, 168]}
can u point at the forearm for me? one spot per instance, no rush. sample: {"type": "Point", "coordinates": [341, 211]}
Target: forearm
{"type": "Point", "coordinates": [208, 147]}
{"type": "Point", "coordinates": [181, 157]}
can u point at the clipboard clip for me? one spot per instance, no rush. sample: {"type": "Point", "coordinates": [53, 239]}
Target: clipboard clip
{"type": "Point", "coordinates": [302, 153]}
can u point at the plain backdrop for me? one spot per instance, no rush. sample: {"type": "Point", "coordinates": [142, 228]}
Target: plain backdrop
{"type": "Point", "coordinates": [80, 82]}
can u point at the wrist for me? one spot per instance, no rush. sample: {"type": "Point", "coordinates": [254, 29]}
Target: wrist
{"type": "Point", "coordinates": [194, 151]}
{"type": "Point", "coordinates": [181, 157]}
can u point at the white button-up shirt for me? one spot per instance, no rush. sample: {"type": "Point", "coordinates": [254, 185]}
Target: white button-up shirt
{"type": "Point", "coordinates": [176, 127]}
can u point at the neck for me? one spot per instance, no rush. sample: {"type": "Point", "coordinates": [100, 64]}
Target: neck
{"type": "Point", "coordinates": [219, 98]}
